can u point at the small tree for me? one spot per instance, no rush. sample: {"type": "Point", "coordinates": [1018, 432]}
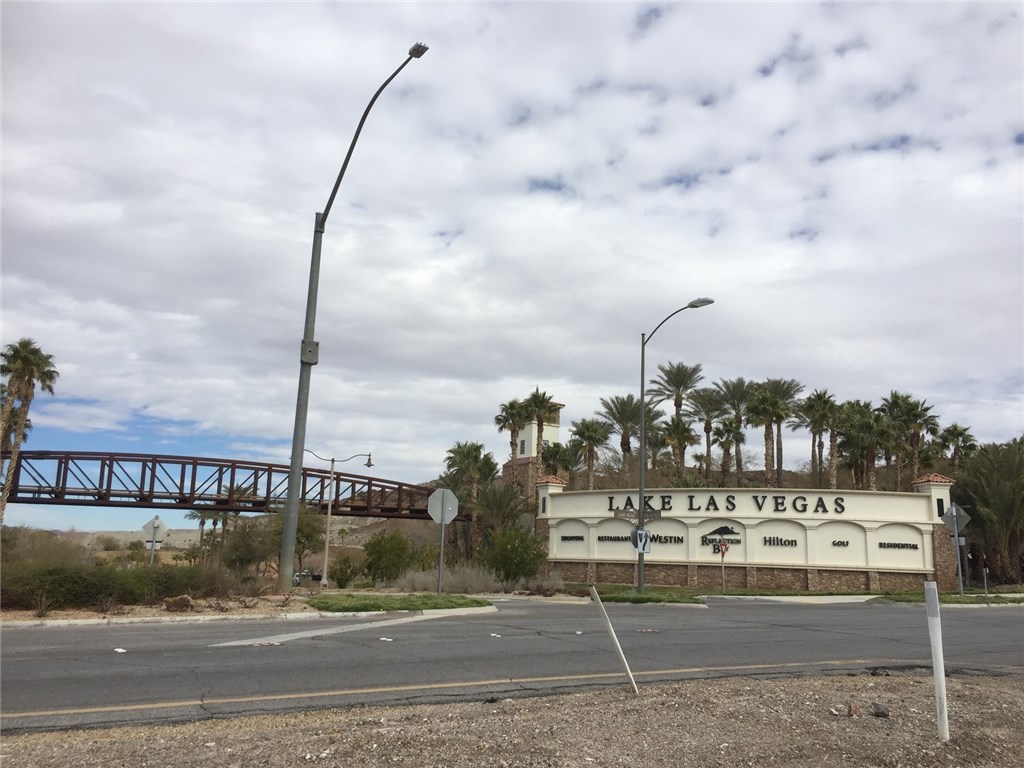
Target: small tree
{"type": "Point", "coordinates": [249, 544]}
{"type": "Point", "coordinates": [343, 570]}
{"type": "Point", "coordinates": [515, 555]}
{"type": "Point", "coordinates": [388, 556]}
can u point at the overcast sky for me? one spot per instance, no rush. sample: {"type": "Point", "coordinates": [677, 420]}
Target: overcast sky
{"type": "Point", "coordinates": [547, 183]}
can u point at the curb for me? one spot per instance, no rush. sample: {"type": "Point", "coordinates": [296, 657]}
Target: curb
{"type": "Point", "coordinates": [304, 616]}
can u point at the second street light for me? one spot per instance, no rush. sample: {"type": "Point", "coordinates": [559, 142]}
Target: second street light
{"type": "Point", "coordinates": [642, 504]}
{"type": "Point", "coordinates": [330, 505]}
{"type": "Point", "coordinates": [309, 356]}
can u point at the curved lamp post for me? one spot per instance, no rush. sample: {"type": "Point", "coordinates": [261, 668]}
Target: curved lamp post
{"type": "Point", "coordinates": [644, 338]}
{"type": "Point", "coordinates": [330, 504]}
{"type": "Point", "coordinates": [309, 352]}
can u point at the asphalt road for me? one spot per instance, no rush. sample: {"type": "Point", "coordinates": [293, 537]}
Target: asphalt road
{"type": "Point", "coordinates": [94, 675]}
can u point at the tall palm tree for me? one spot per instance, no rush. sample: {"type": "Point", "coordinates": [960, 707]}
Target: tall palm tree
{"type": "Point", "coordinates": [592, 435]}
{"type": "Point", "coordinates": [705, 405]}
{"type": "Point", "coordinates": [542, 409]}
{"type": "Point", "coordinates": [736, 395]}
{"type": "Point", "coordinates": [787, 393]}
{"type": "Point", "coordinates": [562, 458]}
{"type": "Point", "coordinates": [468, 467]}
{"type": "Point", "coordinates": [921, 422]}
{"type": "Point", "coordinates": [959, 442]}
{"type": "Point", "coordinates": [26, 367]}
{"type": "Point", "coordinates": [813, 414]}
{"type": "Point", "coordinates": [896, 410]}
{"type": "Point", "coordinates": [762, 410]}
{"type": "Point", "coordinates": [622, 415]}
{"type": "Point", "coordinates": [680, 436]}
{"type": "Point", "coordinates": [674, 382]}
{"type": "Point", "coordinates": [864, 430]}
{"type": "Point", "coordinates": [512, 417]}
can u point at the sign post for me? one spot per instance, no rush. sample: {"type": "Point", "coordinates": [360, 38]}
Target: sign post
{"type": "Point", "coordinates": [723, 548]}
{"type": "Point", "coordinates": [154, 531]}
{"type": "Point", "coordinates": [957, 520]}
{"type": "Point", "coordinates": [443, 507]}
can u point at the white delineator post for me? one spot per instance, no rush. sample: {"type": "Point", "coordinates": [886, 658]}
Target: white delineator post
{"type": "Point", "coordinates": [931, 596]}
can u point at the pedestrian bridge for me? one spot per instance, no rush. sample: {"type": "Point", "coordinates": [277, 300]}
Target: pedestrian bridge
{"type": "Point", "coordinates": [84, 478]}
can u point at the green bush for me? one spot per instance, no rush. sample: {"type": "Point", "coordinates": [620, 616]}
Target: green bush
{"type": "Point", "coordinates": [514, 555]}
{"type": "Point", "coordinates": [24, 585]}
{"type": "Point", "coordinates": [343, 570]}
{"type": "Point", "coordinates": [388, 556]}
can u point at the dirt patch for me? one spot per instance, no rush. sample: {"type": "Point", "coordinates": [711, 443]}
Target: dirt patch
{"type": "Point", "coordinates": [729, 723]}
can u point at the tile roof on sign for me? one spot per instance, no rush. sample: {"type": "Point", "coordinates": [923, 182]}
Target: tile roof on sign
{"type": "Point", "coordinates": [934, 477]}
{"type": "Point", "coordinates": [552, 479]}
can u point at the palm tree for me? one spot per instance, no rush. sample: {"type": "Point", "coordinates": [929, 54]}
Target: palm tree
{"type": "Point", "coordinates": [674, 383]}
{"type": "Point", "coordinates": [896, 408]}
{"type": "Point", "coordinates": [680, 436]}
{"type": "Point", "coordinates": [813, 414]}
{"type": "Point", "coordinates": [26, 367]}
{"type": "Point", "coordinates": [468, 466]}
{"type": "Point", "coordinates": [992, 484]}
{"type": "Point", "coordinates": [922, 422]}
{"type": "Point", "coordinates": [786, 392]}
{"type": "Point", "coordinates": [592, 435]}
{"type": "Point", "coordinates": [512, 417]}
{"type": "Point", "coordinates": [622, 415]}
{"type": "Point", "coordinates": [500, 506]}
{"type": "Point", "coordinates": [960, 442]}
{"type": "Point", "coordinates": [540, 407]}
{"type": "Point", "coordinates": [864, 430]}
{"type": "Point", "coordinates": [763, 410]}
{"type": "Point", "coordinates": [201, 516]}
{"type": "Point", "coordinates": [559, 458]}
{"type": "Point", "coordinates": [705, 406]}
{"type": "Point", "coordinates": [736, 395]}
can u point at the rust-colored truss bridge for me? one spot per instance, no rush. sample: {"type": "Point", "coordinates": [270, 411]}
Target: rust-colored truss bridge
{"type": "Point", "coordinates": [188, 482]}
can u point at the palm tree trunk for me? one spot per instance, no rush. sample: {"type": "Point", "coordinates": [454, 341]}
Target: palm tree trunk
{"type": "Point", "coordinates": [20, 418]}
{"type": "Point", "coordinates": [769, 463]}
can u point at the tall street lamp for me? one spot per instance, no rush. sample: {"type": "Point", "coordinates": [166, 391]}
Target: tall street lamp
{"type": "Point", "coordinates": [330, 505]}
{"type": "Point", "coordinates": [644, 338]}
{"type": "Point", "coordinates": [309, 352]}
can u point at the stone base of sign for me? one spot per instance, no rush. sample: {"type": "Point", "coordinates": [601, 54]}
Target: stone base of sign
{"type": "Point", "coordinates": [744, 577]}
{"type": "Point", "coordinates": [944, 554]}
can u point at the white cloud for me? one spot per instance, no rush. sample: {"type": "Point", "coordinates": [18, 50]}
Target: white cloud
{"type": "Point", "coordinates": [544, 185]}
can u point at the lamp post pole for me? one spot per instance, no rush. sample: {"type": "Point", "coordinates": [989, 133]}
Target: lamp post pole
{"type": "Point", "coordinates": [330, 507]}
{"type": "Point", "coordinates": [644, 338]}
{"type": "Point", "coordinates": [309, 351]}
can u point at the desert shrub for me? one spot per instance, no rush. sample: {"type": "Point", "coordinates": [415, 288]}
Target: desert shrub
{"type": "Point", "coordinates": [107, 543]}
{"type": "Point", "coordinates": [514, 556]}
{"type": "Point", "coordinates": [21, 544]}
{"type": "Point", "coordinates": [343, 570]}
{"type": "Point", "coordinates": [83, 586]}
{"type": "Point", "coordinates": [460, 579]}
{"type": "Point", "coordinates": [545, 584]}
{"type": "Point", "coordinates": [388, 556]}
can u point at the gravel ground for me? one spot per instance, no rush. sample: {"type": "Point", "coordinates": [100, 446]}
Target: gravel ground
{"type": "Point", "coordinates": [711, 723]}
{"type": "Point", "coordinates": [822, 721]}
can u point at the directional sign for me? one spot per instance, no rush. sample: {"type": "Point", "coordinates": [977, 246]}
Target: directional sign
{"type": "Point", "coordinates": [641, 539]}
{"type": "Point", "coordinates": [156, 531]}
{"type": "Point", "coordinates": [956, 518]}
{"type": "Point", "coordinates": [442, 506]}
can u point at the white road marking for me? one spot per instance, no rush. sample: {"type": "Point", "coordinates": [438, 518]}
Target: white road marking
{"type": "Point", "coordinates": [278, 639]}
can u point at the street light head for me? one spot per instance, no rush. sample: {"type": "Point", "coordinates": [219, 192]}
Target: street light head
{"type": "Point", "coordinates": [701, 302]}
{"type": "Point", "coordinates": [369, 461]}
{"type": "Point", "coordinates": [418, 50]}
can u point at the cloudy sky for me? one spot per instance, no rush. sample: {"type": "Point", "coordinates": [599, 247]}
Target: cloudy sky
{"type": "Point", "coordinates": [547, 183]}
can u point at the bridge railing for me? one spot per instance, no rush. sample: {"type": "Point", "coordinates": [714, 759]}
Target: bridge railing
{"type": "Point", "coordinates": [187, 482]}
